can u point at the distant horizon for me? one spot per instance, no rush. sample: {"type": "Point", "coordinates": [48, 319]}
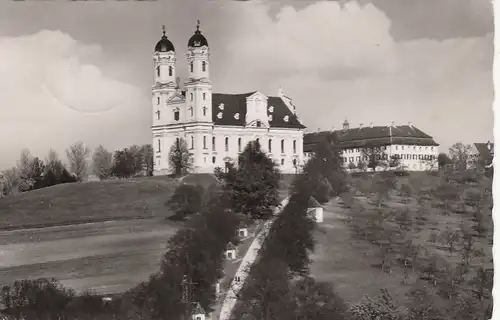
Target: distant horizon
{"type": "Point", "coordinates": [84, 70]}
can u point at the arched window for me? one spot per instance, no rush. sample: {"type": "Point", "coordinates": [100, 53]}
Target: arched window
{"type": "Point", "coordinates": [294, 162]}
{"type": "Point", "coordinates": [204, 96]}
{"type": "Point", "coordinates": [204, 142]}
{"type": "Point", "coordinates": [192, 142]}
{"type": "Point", "coordinates": [191, 96]}
{"type": "Point", "coordinates": [294, 146]}
{"type": "Point", "coordinates": [213, 143]}
{"type": "Point", "coordinates": [270, 145]}
{"type": "Point", "coordinates": [282, 161]}
{"type": "Point", "coordinates": [213, 159]}
{"type": "Point", "coordinates": [191, 111]}
{"type": "Point", "coordinates": [239, 144]}
{"type": "Point", "coordinates": [159, 145]}
{"type": "Point", "coordinates": [226, 144]}
{"type": "Point", "coordinates": [177, 115]}
{"type": "Point", "coordinates": [177, 142]}
{"type": "Point", "coordinates": [158, 100]}
{"type": "Point", "coordinates": [191, 66]}
{"type": "Point", "coordinates": [203, 66]}
{"type": "Point", "coordinates": [157, 114]}
{"type": "Point", "coordinates": [204, 111]}
{"type": "Point", "coordinates": [158, 71]}
{"type": "Point", "coordinates": [257, 140]}
{"type": "Point", "coordinates": [282, 146]}
{"type": "Point", "coordinates": [170, 71]}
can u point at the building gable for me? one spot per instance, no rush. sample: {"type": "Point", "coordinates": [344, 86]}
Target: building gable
{"type": "Point", "coordinates": [176, 98]}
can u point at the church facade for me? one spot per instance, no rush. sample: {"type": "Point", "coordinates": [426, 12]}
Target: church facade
{"type": "Point", "coordinates": [217, 126]}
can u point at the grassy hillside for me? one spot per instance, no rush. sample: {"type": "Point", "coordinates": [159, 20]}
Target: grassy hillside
{"type": "Point", "coordinates": [87, 202]}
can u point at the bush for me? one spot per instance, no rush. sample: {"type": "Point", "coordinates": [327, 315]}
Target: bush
{"type": "Point", "coordinates": [186, 200]}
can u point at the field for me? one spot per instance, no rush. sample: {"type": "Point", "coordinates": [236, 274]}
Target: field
{"type": "Point", "coordinates": [353, 264]}
{"type": "Point", "coordinates": [106, 236]}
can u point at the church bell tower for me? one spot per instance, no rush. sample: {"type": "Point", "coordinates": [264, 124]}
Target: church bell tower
{"type": "Point", "coordinates": [198, 85]}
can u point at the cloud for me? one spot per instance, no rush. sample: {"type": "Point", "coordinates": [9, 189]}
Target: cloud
{"type": "Point", "coordinates": [338, 61]}
{"type": "Point", "coordinates": [52, 98]}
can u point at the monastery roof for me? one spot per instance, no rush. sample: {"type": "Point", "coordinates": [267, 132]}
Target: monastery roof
{"type": "Point", "coordinates": [235, 108]}
{"type": "Point", "coordinates": [372, 136]}
{"type": "Point", "coordinates": [483, 151]}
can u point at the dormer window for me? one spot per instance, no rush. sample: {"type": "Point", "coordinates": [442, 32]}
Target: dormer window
{"type": "Point", "coordinates": [271, 109]}
{"type": "Point", "coordinates": [203, 66]}
{"type": "Point", "coordinates": [191, 66]}
{"type": "Point", "coordinates": [170, 71]}
{"type": "Point", "coordinates": [270, 117]}
{"type": "Point", "coordinates": [237, 116]}
{"type": "Point", "coordinates": [286, 118]}
{"type": "Point", "coordinates": [219, 115]}
{"type": "Point", "coordinates": [221, 106]}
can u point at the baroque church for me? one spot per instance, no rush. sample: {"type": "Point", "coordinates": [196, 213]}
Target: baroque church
{"type": "Point", "coordinates": [217, 126]}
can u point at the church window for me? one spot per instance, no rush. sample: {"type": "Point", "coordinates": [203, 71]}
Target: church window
{"type": "Point", "coordinates": [294, 162]}
{"type": "Point", "coordinates": [270, 145]}
{"type": "Point", "coordinates": [157, 114]}
{"type": "Point", "coordinates": [204, 96]}
{"type": "Point", "coordinates": [282, 146]}
{"type": "Point", "coordinates": [176, 115]}
{"type": "Point", "coordinates": [294, 146]}
{"type": "Point", "coordinates": [158, 71]}
{"type": "Point", "coordinates": [158, 100]}
{"type": "Point", "coordinates": [191, 66]}
{"type": "Point", "coordinates": [282, 162]}
{"type": "Point", "coordinates": [177, 142]}
{"type": "Point", "coordinates": [239, 144]}
{"type": "Point", "coordinates": [192, 142]}
{"type": "Point", "coordinates": [204, 142]}
{"type": "Point", "coordinates": [170, 70]}
{"type": "Point", "coordinates": [259, 124]}
{"type": "Point", "coordinates": [213, 143]}
{"type": "Point", "coordinates": [213, 159]}
{"type": "Point", "coordinates": [191, 111]}
{"type": "Point", "coordinates": [159, 145]}
{"type": "Point", "coordinates": [204, 111]}
{"type": "Point", "coordinates": [226, 143]}
{"type": "Point", "coordinates": [203, 66]}
{"type": "Point", "coordinates": [191, 96]}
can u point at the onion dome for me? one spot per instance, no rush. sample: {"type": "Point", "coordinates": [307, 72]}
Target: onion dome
{"type": "Point", "coordinates": [197, 40]}
{"type": "Point", "coordinates": [164, 45]}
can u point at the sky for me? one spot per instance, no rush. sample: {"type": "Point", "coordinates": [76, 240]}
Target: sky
{"type": "Point", "coordinates": [73, 71]}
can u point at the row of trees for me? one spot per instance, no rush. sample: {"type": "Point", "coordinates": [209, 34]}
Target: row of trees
{"type": "Point", "coordinates": [278, 285]}
{"type": "Point", "coordinates": [32, 173]}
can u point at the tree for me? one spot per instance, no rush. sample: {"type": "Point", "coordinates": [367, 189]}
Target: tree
{"type": "Point", "coordinates": [9, 181]}
{"type": "Point", "coordinates": [123, 164]}
{"type": "Point", "coordinates": [381, 307]}
{"type": "Point", "coordinates": [361, 165]}
{"type": "Point", "coordinates": [377, 158]}
{"type": "Point", "coordinates": [25, 169]}
{"type": "Point", "coordinates": [253, 185]}
{"type": "Point", "coordinates": [450, 238]}
{"type": "Point", "coordinates": [77, 155]}
{"type": "Point", "coordinates": [102, 162]}
{"type": "Point", "coordinates": [394, 162]}
{"type": "Point", "coordinates": [186, 200]}
{"type": "Point", "coordinates": [148, 158]}
{"type": "Point", "coordinates": [36, 299]}
{"type": "Point", "coordinates": [180, 159]}
{"type": "Point", "coordinates": [317, 300]}
{"type": "Point", "coordinates": [459, 154]}
{"type": "Point", "coordinates": [443, 160]}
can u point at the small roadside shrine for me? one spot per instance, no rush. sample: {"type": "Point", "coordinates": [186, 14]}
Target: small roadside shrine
{"type": "Point", "coordinates": [198, 313]}
{"type": "Point", "coordinates": [230, 251]}
{"type": "Point", "coordinates": [242, 231]}
{"type": "Point", "coordinates": [315, 208]}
